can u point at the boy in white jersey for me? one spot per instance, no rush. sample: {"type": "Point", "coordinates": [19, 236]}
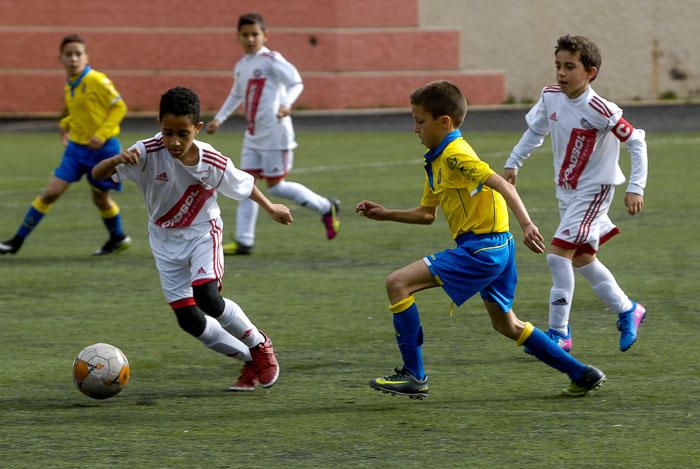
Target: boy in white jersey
{"type": "Point", "coordinates": [586, 132]}
{"type": "Point", "coordinates": [268, 85]}
{"type": "Point", "coordinates": [180, 178]}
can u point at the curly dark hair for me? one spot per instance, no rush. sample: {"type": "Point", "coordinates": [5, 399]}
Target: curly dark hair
{"type": "Point", "coordinates": [180, 101]}
{"type": "Point", "coordinates": [587, 50]}
{"type": "Point", "coordinates": [441, 98]}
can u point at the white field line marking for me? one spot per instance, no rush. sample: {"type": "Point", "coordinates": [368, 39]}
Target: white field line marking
{"type": "Point", "coordinates": [378, 164]}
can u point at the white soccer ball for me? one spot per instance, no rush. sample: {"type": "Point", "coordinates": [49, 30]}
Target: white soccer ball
{"type": "Point", "coordinates": [101, 371]}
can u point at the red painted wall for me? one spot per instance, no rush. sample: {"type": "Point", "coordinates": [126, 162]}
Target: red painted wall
{"type": "Point", "coordinates": [351, 53]}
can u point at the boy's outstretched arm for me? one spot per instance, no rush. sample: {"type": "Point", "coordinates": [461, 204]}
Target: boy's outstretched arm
{"type": "Point", "coordinates": [529, 141]}
{"type": "Point", "coordinates": [420, 215]}
{"type": "Point", "coordinates": [533, 239]}
{"type": "Point", "coordinates": [106, 168]}
{"type": "Point", "coordinates": [278, 212]}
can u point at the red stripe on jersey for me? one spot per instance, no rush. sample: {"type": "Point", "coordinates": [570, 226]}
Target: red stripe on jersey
{"type": "Point", "coordinates": [186, 208]}
{"type": "Point", "coordinates": [154, 146]}
{"type": "Point", "coordinates": [153, 141]}
{"type": "Point", "coordinates": [551, 89]}
{"type": "Point", "coordinates": [600, 106]}
{"type": "Point", "coordinates": [578, 151]}
{"type": "Point", "coordinates": [214, 163]}
{"type": "Point", "coordinates": [623, 130]}
{"type": "Point", "coordinates": [154, 149]}
{"type": "Point", "coordinates": [215, 155]}
{"type": "Point", "coordinates": [252, 101]}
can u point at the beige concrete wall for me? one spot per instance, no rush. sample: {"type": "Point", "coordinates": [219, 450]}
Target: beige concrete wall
{"type": "Point", "coordinates": [518, 36]}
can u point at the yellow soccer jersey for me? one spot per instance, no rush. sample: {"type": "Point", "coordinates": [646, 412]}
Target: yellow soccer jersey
{"type": "Point", "coordinates": [94, 107]}
{"type": "Point", "coordinates": [459, 190]}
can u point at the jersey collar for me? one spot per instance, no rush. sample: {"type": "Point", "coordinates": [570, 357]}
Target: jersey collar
{"type": "Point", "coordinates": [74, 84]}
{"type": "Point", "coordinates": [431, 155]}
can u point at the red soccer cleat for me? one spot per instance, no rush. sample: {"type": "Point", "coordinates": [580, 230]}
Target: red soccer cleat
{"type": "Point", "coordinates": [265, 363]}
{"type": "Point", "coordinates": [247, 379]}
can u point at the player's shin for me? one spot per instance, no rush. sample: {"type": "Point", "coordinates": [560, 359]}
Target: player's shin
{"type": "Point", "coordinates": [549, 352]}
{"type": "Point", "coordinates": [217, 339]}
{"type": "Point", "coordinates": [409, 335]}
{"type": "Point", "coordinates": [112, 220]}
{"type": "Point", "coordinates": [33, 216]}
{"type": "Point", "coordinates": [235, 321]}
{"type": "Point", "coordinates": [562, 292]}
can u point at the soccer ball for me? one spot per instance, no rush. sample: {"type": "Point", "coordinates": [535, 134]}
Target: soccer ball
{"type": "Point", "coordinates": [101, 371]}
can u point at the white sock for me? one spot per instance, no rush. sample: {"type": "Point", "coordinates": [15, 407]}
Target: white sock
{"type": "Point", "coordinates": [562, 293]}
{"type": "Point", "coordinates": [246, 217]}
{"type": "Point", "coordinates": [236, 323]}
{"type": "Point", "coordinates": [604, 285]}
{"type": "Point", "coordinates": [217, 339]}
{"type": "Point", "coordinates": [301, 195]}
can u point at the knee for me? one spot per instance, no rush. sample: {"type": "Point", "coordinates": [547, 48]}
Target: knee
{"type": "Point", "coordinates": [393, 284]}
{"type": "Point", "coordinates": [508, 325]}
{"type": "Point", "coordinates": [208, 298]}
{"type": "Point", "coordinates": [582, 260]}
{"type": "Point", "coordinates": [191, 320]}
{"type": "Point", "coordinates": [101, 200]}
{"type": "Point", "coordinates": [49, 196]}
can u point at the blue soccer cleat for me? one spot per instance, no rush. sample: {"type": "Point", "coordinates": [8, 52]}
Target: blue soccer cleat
{"type": "Point", "coordinates": [628, 325]}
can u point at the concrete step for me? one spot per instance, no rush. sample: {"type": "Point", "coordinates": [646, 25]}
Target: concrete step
{"type": "Point", "coordinates": [41, 92]}
{"type": "Point", "coordinates": [314, 50]}
{"type": "Point", "coordinates": [209, 13]}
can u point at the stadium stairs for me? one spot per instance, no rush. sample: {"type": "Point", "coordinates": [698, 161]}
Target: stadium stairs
{"type": "Point", "coordinates": [352, 54]}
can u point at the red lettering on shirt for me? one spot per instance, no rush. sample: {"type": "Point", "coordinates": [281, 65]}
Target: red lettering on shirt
{"type": "Point", "coordinates": [186, 208]}
{"type": "Point", "coordinates": [578, 151]}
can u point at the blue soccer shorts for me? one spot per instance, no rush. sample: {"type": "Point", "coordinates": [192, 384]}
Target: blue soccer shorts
{"type": "Point", "coordinates": [480, 263]}
{"type": "Point", "coordinates": [79, 160]}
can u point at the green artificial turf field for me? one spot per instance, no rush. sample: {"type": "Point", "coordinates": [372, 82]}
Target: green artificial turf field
{"type": "Point", "coordinates": [323, 304]}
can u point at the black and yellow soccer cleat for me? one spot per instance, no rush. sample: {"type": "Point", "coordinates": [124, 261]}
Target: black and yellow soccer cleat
{"type": "Point", "coordinates": [402, 383]}
{"type": "Point", "coordinates": [237, 249]}
{"type": "Point", "coordinates": [592, 379]}
{"type": "Point", "coordinates": [114, 244]}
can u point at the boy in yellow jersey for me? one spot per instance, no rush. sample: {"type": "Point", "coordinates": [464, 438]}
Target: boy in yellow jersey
{"type": "Point", "coordinates": [95, 110]}
{"type": "Point", "coordinates": [475, 201]}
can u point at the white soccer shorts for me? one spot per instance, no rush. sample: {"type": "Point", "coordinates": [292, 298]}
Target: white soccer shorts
{"type": "Point", "coordinates": [267, 163]}
{"type": "Point", "coordinates": [187, 256]}
{"type": "Point", "coordinates": [584, 217]}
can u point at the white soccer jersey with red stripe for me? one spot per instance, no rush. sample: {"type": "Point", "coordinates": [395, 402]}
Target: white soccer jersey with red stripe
{"type": "Point", "coordinates": [586, 134]}
{"type": "Point", "coordinates": [177, 195]}
{"type": "Point", "coordinates": [263, 81]}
